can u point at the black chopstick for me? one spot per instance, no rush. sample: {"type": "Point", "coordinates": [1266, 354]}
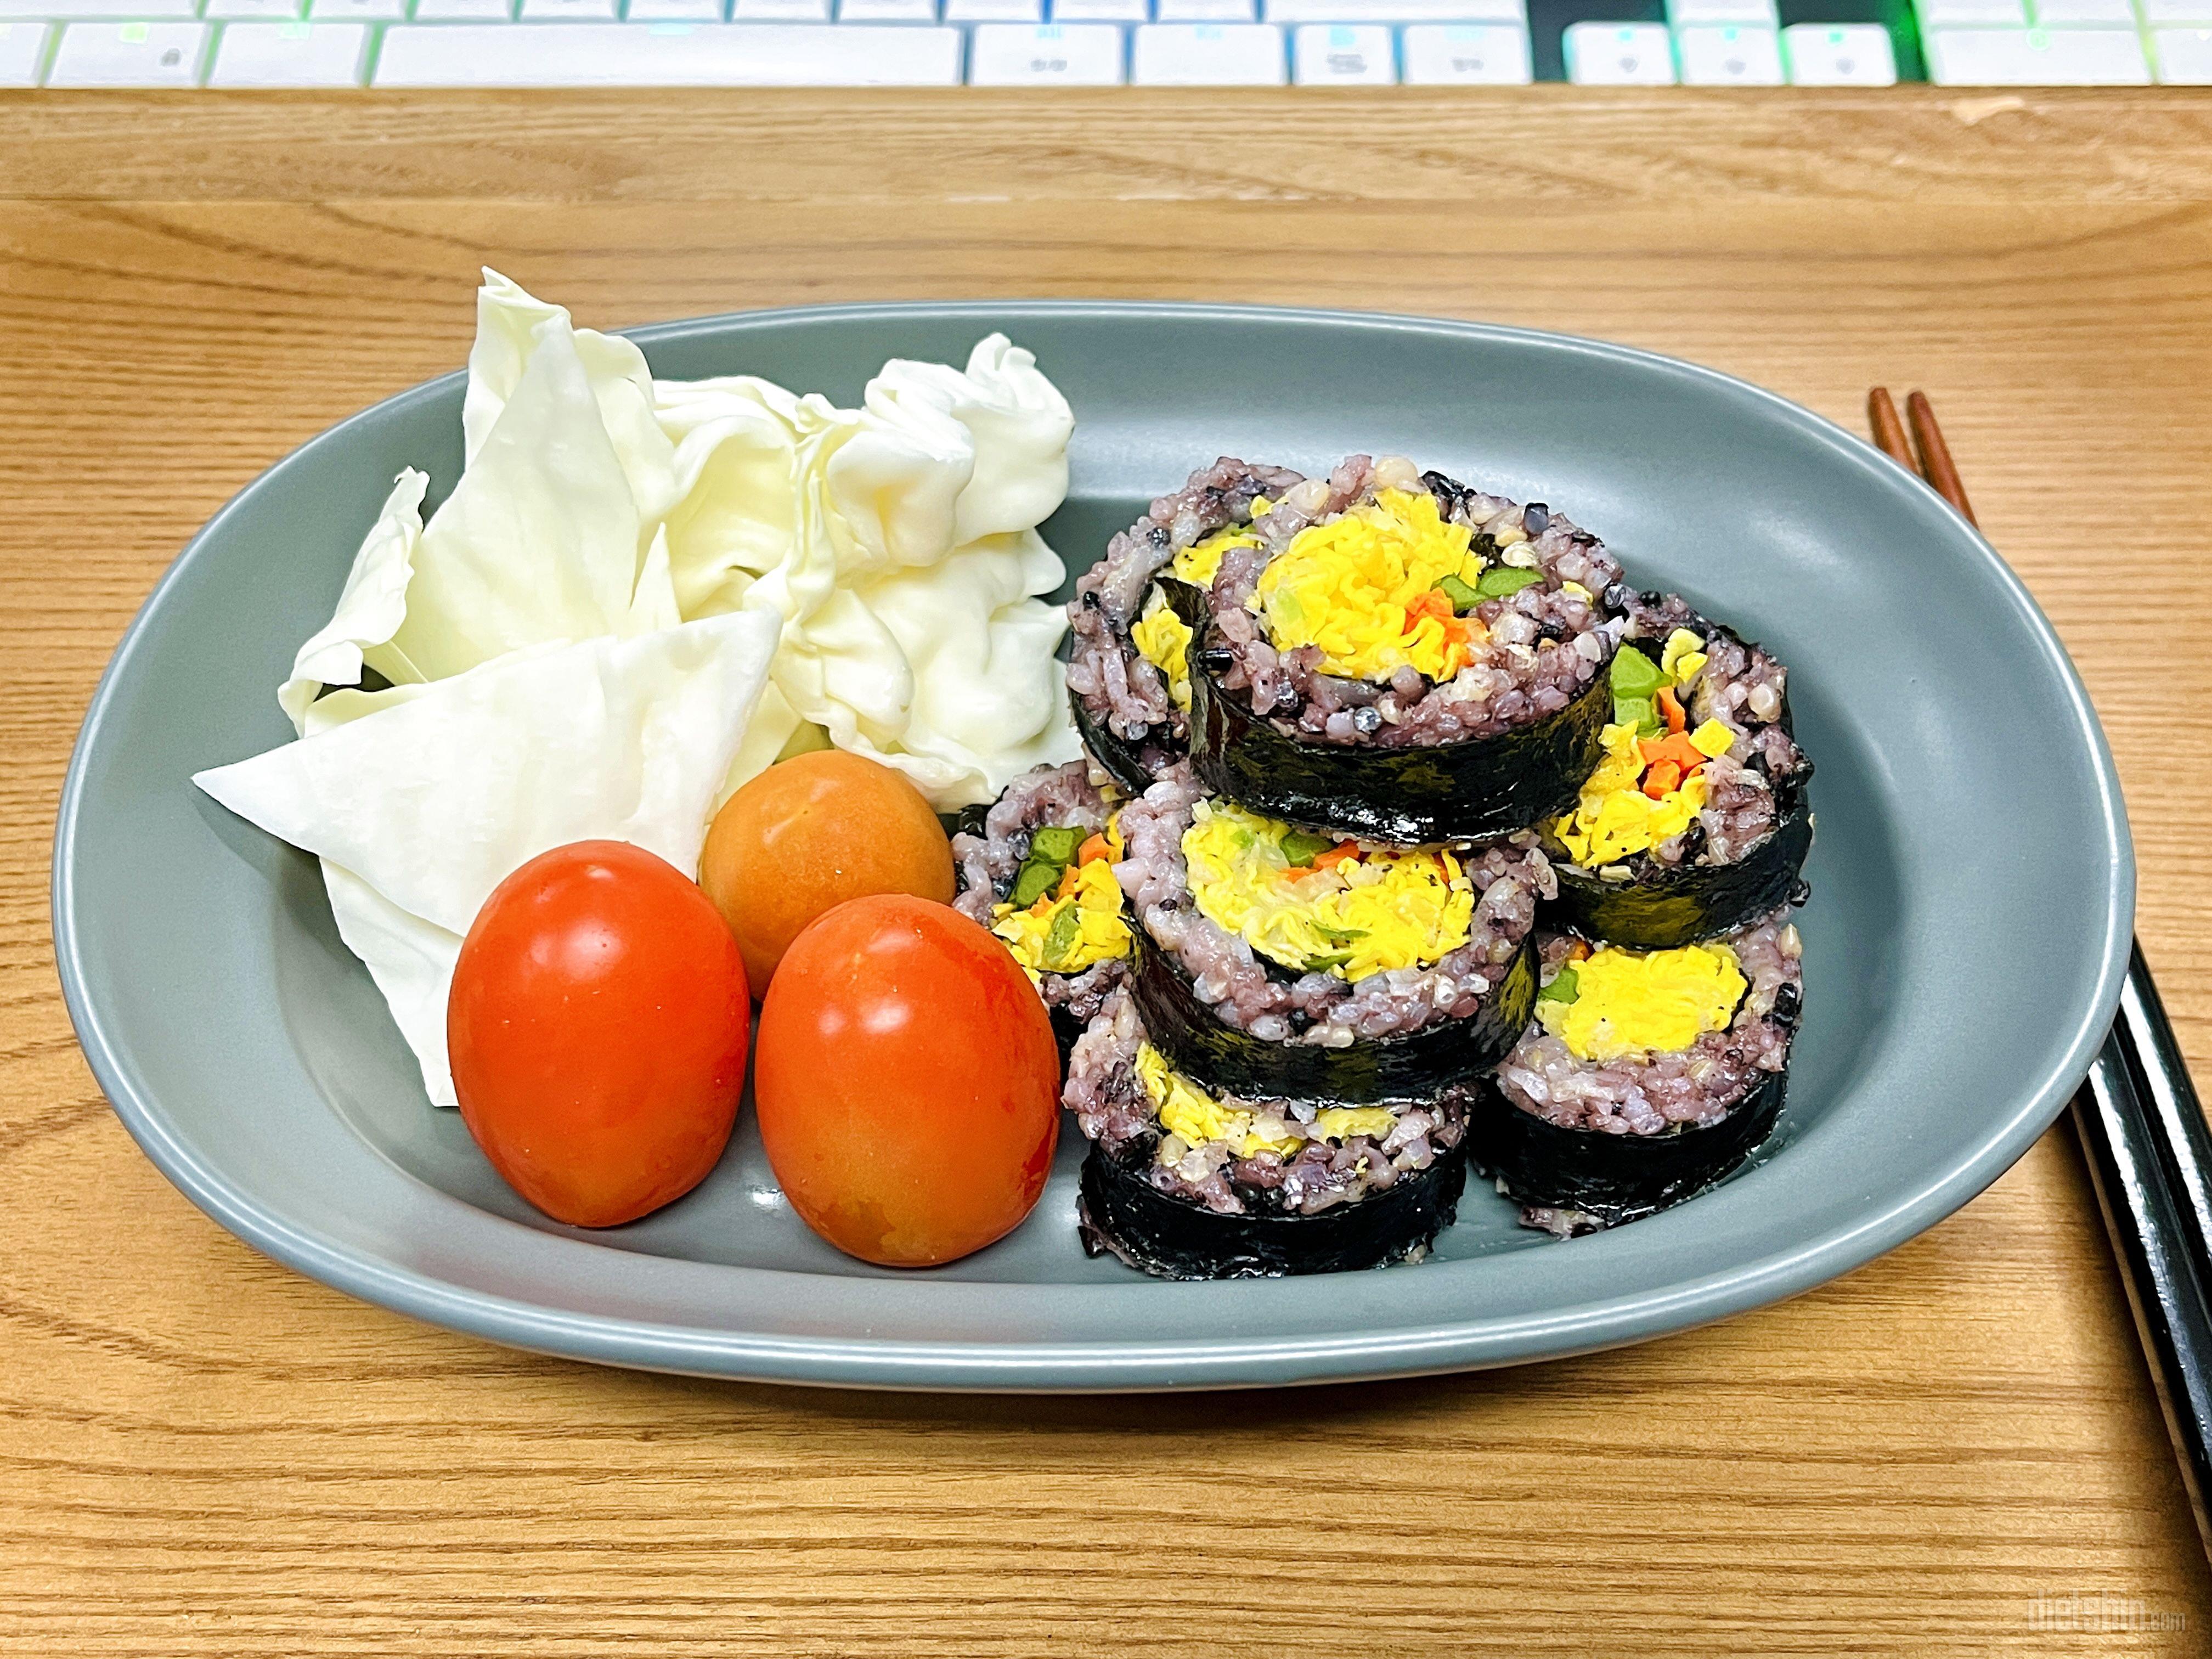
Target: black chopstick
{"type": "Point", "coordinates": [2149, 1155]}
{"type": "Point", "coordinates": [2143, 1130]}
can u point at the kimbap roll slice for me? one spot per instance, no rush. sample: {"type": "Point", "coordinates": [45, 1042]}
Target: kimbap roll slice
{"type": "Point", "coordinates": [1273, 960]}
{"type": "Point", "coordinates": [1645, 1077]}
{"type": "Point", "coordinates": [1127, 678]}
{"type": "Point", "coordinates": [1698, 817]}
{"type": "Point", "coordinates": [1039, 873]}
{"type": "Point", "coordinates": [1394, 655]}
{"type": "Point", "coordinates": [1185, 1180]}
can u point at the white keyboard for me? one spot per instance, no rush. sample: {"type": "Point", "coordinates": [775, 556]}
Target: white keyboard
{"type": "Point", "coordinates": [1072, 42]}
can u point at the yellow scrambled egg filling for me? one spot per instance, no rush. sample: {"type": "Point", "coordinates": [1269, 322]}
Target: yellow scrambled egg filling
{"type": "Point", "coordinates": [1349, 912]}
{"type": "Point", "coordinates": [1627, 1002]}
{"type": "Point", "coordinates": [1346, 586]}
{"type": "Point", "coordinates": [1614, 818]}
{"type": "Point", "coordinates": [1187, 1112]}
{"type": "Point", "coordinates": [1163, 639]}
{"type": "Point", "coordinates": [1199, 562]}
{"type": "Point", "coordinates": [1076, 927]}
{"type": "Point", "coordinates": [1682, 656]}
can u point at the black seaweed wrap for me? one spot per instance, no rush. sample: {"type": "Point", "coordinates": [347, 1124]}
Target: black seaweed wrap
{"type": "Point", "coordinates": [1418, 1065]}
{"type": "Point", "coordinates": [1117, 1210]}
{"type": "Point", "coordinates": [1118, 758]}
{"type": "Point", "coordinates": [1413, 796]}
{"type": "Point", "coordinates": [1614, 1178]}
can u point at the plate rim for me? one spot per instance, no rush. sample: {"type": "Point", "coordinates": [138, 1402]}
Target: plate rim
{"type": "Point", "coordinates": [1267, 1361]}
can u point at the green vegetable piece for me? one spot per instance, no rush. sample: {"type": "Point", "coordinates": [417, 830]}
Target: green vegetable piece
{"type": "Point", "coordinates": [1503, 580]}
{"type": "Point", "coordinates": [1637, 712]}
{"type": "Point", "coordinates": [1463, 598]}
{"type": "Point", "coordinates": [1303, 847]}
{"type": "Point", "coordinates": [1322, 965]}
{"type": "Point", "coordinates": [1055, 844]}
{"type": "Point", "coordinates": [1339, 935]}
{"type": "Point", "coordinates": [1561, 989]}
{"type": "Point", "coordinates": [1067, 928]}
{"type": "Point", "coordinates": [1034, 881]}
{"type": "Point", "coordinates": [1634, 674]}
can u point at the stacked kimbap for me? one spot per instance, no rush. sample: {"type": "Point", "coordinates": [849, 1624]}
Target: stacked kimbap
{"type": "Point", "coordinates": [1350, 737]}
{"type": "Point", "coordinates": [1287, 960]}
{"type": "Point", "coordinates": [1039, 871]}
{"type": "Point", "coordinates": [1126, 674]}
{"type": "Point", "coordinates": [1190, 1182]}
{"type": "Point", "coordinates": [1646, 1076]}
{"type": "Point", "coordinates": [1696, 820]}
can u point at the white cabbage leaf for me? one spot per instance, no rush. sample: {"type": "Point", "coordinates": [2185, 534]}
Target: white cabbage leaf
{"type": "Point", "coordinates": [420, 807]}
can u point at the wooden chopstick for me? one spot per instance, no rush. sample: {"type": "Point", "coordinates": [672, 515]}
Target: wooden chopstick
{"type": "Point", "coordinates": [2142, 1131]}
{"type": "Point", "coordinates": [1935, 455]}
{"type": "Point", "coordinates": [1889, 430]}
{"type": "Point", "coordinates": [1934, 462]}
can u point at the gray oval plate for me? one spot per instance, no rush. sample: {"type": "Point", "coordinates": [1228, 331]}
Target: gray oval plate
{"type": "Point", "coordinates": [1972, 884]}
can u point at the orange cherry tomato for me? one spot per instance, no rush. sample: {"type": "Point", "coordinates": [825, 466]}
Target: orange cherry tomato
{"type": "Point", "coordinates": [810, 833]}
{"type": "Point", "coordinates": [907, 1083]}
{"type": "Point", "coordinates": [597, 1027]}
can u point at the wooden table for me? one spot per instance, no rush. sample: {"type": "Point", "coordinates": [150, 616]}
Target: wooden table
{"type": "Point", "coordinates": [1953, 1451]}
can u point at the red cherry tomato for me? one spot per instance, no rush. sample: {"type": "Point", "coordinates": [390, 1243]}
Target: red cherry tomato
{"type": "Point", "coordinates": [908, 1085]}
{"type": "Point", "coordinates": [597, 1027]}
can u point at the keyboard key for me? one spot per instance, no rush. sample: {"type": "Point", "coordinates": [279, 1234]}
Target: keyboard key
{"type": "Point", "coordinates": [358, 11]}
{"type": "Point", "coordinates": [2033, 58]}
{"type": "Point", "coordinates": [1970, 14]}
{"type": "Point", "coordinates": [1045, 55]}
{"type": "Point", "coordinates": [1205, 12]}
{"type": "Point", "coordinates": [1839, 55]}
{"type": "Point", "coordinates": [2111, 14]}
{"type": "Point", "coordinates": [1396, 11]}
{"type": "Point", "coordinates": [465, 11]}
{"type": "Point", "coordinates": [994, 11]}
{"type": "Point", "coordinates": [1467, 54]}
{"type": "Point", "coordinates": [1344, 55]}
{"type": "Point", "coordinates": [130, 11]}
{"type": "Point", "coordinates": [776, 11]}
{"type": "Point", "coordinates": [1620, 55]}
{"type": "Point", "coordinates": [2185, 56]}
{"type": "Point", "coordinates": [873, 11]}
{"type": "Point", "coordinates": [561, 11]}
{"type": "Point", "coordinates": [22, 50]}
{"type": "Point", "coordinates": [1208, 55]}
{"type": "Point", "coordinates": [1101, 11]}
{"type": "Point", "coordinates": [668, 55]}
{"type": "Point", "coordinates": [290, 55]}
{"type": "Point", "coordinates": [130, 55]}
{"type": "Point", "coordinates": [1729, 55]}
{"type": "Point", "coordinates": [220, 11]}
{"type": "Point", "coordinates": [2177, 11]}
{"type": "Point", "coordinates": [1685, 13]}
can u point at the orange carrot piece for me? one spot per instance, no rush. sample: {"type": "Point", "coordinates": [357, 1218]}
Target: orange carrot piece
{"type": "Point", "coordinates": [1093, 850]}
{"type": "Point", "coordinates": [1671, 706]}
{"type": "Point", "coordinates": [1336, 855]}
{"type": "Point", "coordinates": [1662, 777]}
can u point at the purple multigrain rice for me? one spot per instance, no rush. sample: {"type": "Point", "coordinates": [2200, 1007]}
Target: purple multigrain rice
{"type": "Point", "coordinates": [1112, 1108]}
{"type": "Point", "coordinates": [1695, 1086]}
{"type": "Point", "coordinates": [1120, 688]}
{"type": "Point", "coordinates": [1743, 687]}
{"type": "Point", "coordinates": [985, 866]}
{"type": "Point", "coordinates": [1510, 873]}
{"type": "Point", "coordinates": [1544, 644]}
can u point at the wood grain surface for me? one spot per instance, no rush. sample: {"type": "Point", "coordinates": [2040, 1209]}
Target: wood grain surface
{"type": "Point", "coordinates": [1955, 1451]}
